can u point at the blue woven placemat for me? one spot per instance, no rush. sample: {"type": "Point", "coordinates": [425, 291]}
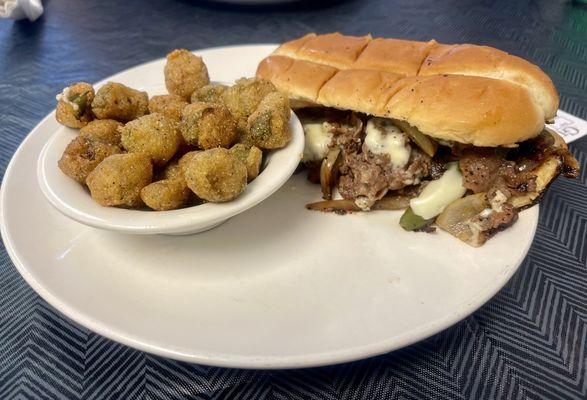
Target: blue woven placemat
{"type": "Point", "coordinates": [529, 342]}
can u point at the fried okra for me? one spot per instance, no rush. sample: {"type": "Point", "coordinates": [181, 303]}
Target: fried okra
{"type": "Point", "coordinates": [82, 155]}
{"type": "Point", "coordinates": [178, 173]}
{"type": "Point", "coordinates": [169, 105]}
{"type": "Point", "coordinates": [208, 125]}
{"type": "Point", "coordinates": [154, 135]}
{"type": "Point", "coordinates": [172, 171]}
{"type": "Point", "coordinates": [103, 130]}
{"type": "Point", "coordinates": [184, 73]}
{"type": "Point", "coordinates": [118, 180]}
{"type": "Point", "coordinates": [183, 162]}
{"type": "Point", "coordinates": [244, 96]}
{"type": "Point", "coordinates": [73, 105]}
{"type": "Point", "coordinates": [166, 194]}
{"type": "Point", "coordinates": [209, 94]}
{"type": "Point", "coordinates": [215, 175]}
{"type": "Point", "coordinates": [268, 126]}
{"type": "Point", "coordinates": [170, 191]}
{"type": "Point", "coordinates": [119, 102]}
{"type": "Point", "coordinates": [251, 156]}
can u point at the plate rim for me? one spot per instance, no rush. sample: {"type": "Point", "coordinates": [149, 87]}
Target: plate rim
{"type": "Point", "coordinates": [250, 362]}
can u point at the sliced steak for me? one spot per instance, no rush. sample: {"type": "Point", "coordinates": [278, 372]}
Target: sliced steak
{"type": "Point", "coordinates": [491, 221]}
{"type": "Point", "coordinates": [487, 170]}
{"type": "Point", "coordinates": [371, 176]}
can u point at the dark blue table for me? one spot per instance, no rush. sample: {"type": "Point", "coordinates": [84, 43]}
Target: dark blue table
{"type": "Point", "coordinates": [529, 342]}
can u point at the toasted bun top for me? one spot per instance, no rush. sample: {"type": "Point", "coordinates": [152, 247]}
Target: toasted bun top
{"type": "Point", "coordinates": [470, 94]}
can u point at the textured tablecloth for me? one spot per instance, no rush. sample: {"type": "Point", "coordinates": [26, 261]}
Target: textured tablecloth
{"type": "Point", "coordinates": [528, 342]}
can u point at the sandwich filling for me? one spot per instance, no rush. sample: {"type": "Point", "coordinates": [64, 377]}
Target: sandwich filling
{"type": "Point", "coordinates": [472, 192]}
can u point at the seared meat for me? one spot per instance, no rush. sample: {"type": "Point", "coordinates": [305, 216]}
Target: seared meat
{"type": "Point", "coordinates": [535, 151]}
{"type": "Point", "coordinates": [487, 170]}
{"type": "Point", "coordinates": [366, 176]}
{"type": "Point", "coordinates": [371, 175]}
{"type": "Point", "coordinates": [367, 157]}
{"type": "Point", "coordinates": [485, 227]}
{"type": "Point", "coordinates": [348, 137]}
{"type": "Point", "coordinates": [497, 220]}
{"type": "Point", "coordinates": [492, 220]}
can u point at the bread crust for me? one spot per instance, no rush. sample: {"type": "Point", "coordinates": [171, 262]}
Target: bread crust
{"type": "Point", "coordinates": [402, 57]}
{"type": "Point", "coordinates": [466, 109]}
{"type": "Point", "coordinates": [358, 89]}
{"type": "Point", "coordinates": [466, 93]}
{"type": "Point", "coordinates": [468, 59]}
{"type": "Point", "coordinates": [331, 49]}
{"type": "Point", "coordinates": [302, 80]}
{"type": "Point", "coordinates": [290, 48]}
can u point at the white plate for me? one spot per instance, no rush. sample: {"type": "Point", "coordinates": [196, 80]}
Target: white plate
{"type": "Point", "coordinates": [276, 286]}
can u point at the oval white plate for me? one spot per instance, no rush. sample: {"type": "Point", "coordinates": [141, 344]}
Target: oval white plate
{"type": "Point", "coordinates": [73, 200]}
{"type": "Point", "coordinates": [276, 286]}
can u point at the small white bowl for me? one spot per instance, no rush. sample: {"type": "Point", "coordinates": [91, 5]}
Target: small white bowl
{"type": "Point", "coordinates": [74, 201]}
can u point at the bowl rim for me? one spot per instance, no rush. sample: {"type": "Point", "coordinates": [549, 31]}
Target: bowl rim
{"type": "Point", "coordinates": [280, 164]}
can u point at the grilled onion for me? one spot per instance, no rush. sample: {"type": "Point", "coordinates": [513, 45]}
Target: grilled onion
{"type": "Point", "coordinates": [357, 123]}
{"type": "Point", "coordinates": [428, 145]}
{"type": "Point", "coordinates": [329, 172]}
{"type": "Point", "coordinates": [398, 202]}
{"type": "Point", "coordinates": [558, 160]}
{"type": "Point", "coordinates": [455, 216]}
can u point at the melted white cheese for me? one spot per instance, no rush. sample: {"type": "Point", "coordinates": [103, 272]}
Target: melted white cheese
{"type": "Point", "coordinates": [363, 202]}
{"type": "Point", "coordinates": [64, 97]}
{"type": "Point", "coordinates": [486, 213]}
{"type": "Point", "coordinates": [496, 203]}
{"type": "Point", "coordinates": [498, 200]}
{"type": "Point", "coordinates": [382, 137]}
{"type": "Point", "coordinates": [439, 193]}
{"type": "Point", "coordinates": [318, 139]}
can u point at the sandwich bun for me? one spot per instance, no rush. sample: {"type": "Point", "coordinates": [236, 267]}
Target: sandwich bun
{"type": "Point", "coordinates": [465, 93]}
